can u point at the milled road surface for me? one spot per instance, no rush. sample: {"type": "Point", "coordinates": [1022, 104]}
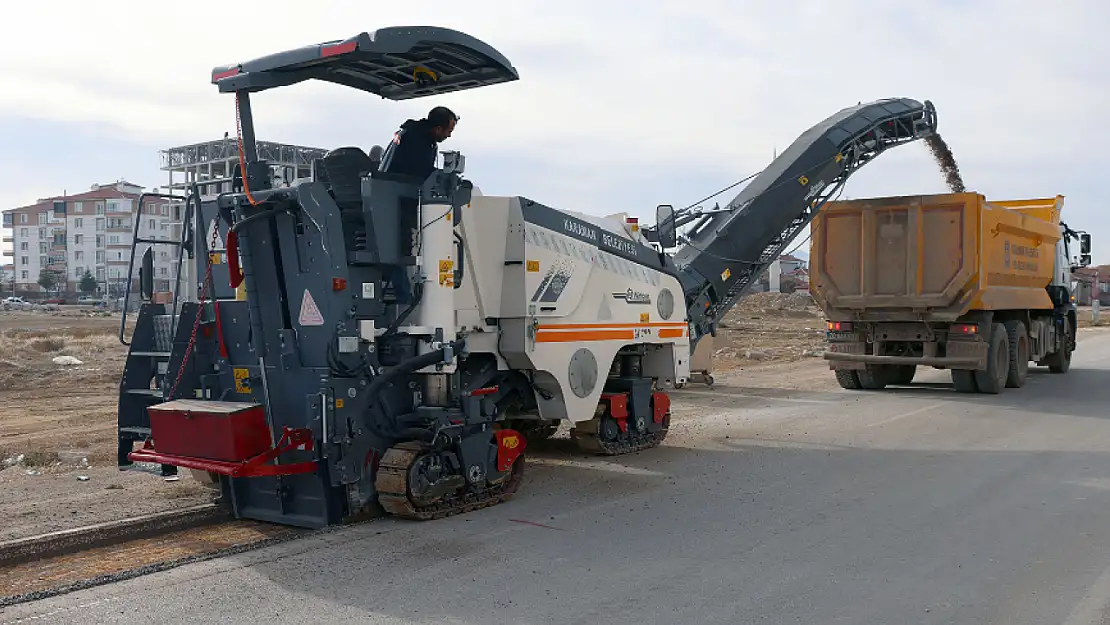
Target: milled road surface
{"type": "Point", "coordinates": [821, 506]}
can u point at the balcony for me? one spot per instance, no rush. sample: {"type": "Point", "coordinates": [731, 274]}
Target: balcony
{"type": "Point", "coordinates": [8, 253]}
{"type": "Point", "coordinates": [9, 239]}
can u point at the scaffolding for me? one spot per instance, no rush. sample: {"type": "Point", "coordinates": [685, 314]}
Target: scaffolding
{"type": "Point", "coordinates": [211, 164]}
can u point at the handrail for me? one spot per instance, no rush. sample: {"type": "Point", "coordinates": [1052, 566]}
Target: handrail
{"type": "Point", "coordinates": [131, 262]}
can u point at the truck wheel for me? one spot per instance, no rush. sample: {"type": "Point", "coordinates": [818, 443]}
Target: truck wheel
{"type": "Point", "coordinates": [902, 374]}
{"type": "Point", "coordinates": [964, 381]}
{"type": "Point", "coordinates": [847, 379]}
{"type": "Point", "coordinates": [873, 378]}
{"type": "Point", "coordinates": [1019, 353]}
{"type": "Point", "coordinates": [993, 380]}
{"type": "Point", "coordinates": [1060, 361]}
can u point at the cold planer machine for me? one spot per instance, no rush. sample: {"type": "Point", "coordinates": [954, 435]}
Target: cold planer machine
{"type": "Point", "coordinates": [398, 341]}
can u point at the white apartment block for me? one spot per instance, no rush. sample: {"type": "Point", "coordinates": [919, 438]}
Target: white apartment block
{"type": "Point", "coordinates": [90, 231]}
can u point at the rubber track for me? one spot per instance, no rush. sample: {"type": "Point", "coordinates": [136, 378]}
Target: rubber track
{"type": "Point", "coordinates": [587, 439]}
{"type": "Point", "coordinates": [392, 486]}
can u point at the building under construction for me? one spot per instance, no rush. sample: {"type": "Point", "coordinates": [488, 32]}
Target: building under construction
{"type": "Point", "coordinates": [212, 163]}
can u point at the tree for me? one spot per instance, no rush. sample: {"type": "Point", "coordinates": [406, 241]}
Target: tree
{"type": "Point", "coordinates": [88, 283]}
{"type": "Point", "coordinates": [48, 279]}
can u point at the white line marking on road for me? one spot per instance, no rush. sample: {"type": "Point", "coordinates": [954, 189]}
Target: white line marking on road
{"type": "Point", "coordinates": [602, 466]}
{"type": "Point", "coordinates": [1090, 610]}
{"type": "Point", "coordinates": [795, 400]}
{"type": "Point", "coordinates": [904, 415]}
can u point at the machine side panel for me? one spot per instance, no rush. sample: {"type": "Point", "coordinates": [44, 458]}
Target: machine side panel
{"type": "Point", "coordinates": [589, 296]}
{"type": "Point", "coordinates": [484, 232]}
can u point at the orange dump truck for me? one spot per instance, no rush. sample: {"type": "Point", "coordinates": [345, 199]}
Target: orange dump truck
{"type": "Point", "coordinates": [949, 281]}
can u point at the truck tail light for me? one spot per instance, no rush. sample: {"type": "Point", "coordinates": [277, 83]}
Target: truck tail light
{"type": "Point", "coordinates": [968, 329]}
{"type": "Point", "coordinates": [839, 326]}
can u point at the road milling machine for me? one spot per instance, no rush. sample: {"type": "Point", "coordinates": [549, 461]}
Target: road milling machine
{"type": "Point", "coordinates": [362, 341]}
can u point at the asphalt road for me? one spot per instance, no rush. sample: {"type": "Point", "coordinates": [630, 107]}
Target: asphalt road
{"type": "Point", "coordinates": [820, 506]}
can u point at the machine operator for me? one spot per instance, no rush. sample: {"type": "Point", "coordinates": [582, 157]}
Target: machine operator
{"type": "Point", "coordinates": [413, 149]}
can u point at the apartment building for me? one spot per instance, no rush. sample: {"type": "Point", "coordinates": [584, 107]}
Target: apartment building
{"type": "Point", "coordinates": [69, 235]}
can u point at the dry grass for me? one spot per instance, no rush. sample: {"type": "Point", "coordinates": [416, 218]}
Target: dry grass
{"type": "Point", "coordinates": [26, 356]}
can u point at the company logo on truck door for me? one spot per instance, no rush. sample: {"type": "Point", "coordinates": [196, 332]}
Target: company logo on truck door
{"type": "Point", "coordinates": [1021, 251]}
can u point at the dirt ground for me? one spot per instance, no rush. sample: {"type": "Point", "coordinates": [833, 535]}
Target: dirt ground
{"type": "Point", "coordinates": [57, 421]}
{"type": "Point", "coordinates": [57, 428]}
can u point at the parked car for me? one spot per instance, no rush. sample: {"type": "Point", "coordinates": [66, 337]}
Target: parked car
{"type": "Point", "coordinates": [14, 303]}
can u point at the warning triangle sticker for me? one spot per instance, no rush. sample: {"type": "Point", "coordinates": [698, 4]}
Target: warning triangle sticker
{"type": "Point", "coordinates": [310, 313]}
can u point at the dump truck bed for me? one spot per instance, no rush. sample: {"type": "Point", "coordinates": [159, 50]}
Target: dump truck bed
{"type": "Point", "coordinates": [933, 256]}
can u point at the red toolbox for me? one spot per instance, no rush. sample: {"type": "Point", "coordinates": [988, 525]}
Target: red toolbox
{"type": "Point", "coordinates": [215, 430]}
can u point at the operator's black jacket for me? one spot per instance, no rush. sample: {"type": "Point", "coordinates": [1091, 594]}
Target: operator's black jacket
{"type": "Point", "coordinates": [413, 151]}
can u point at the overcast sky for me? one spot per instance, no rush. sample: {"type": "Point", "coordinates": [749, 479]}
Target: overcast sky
{"type": "Point", "coordinates": [620, 106]}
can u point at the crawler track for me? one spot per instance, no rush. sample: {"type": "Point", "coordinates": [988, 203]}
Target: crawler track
{"type": "Point", "coordinates": [587, 436]}
{"type": "Point", "coordinates": [393, 492]}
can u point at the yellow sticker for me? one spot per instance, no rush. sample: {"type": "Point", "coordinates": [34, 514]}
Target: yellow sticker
{"type": "Point", "coordinates": [215, 258]}
{"type": "Point", "coordinates": [242, 380]}
{"type": "Point", "coordinates": [447, 279]}
{"type": "Point", "coordinates": [339, 402]}
{"type": "Point", "coordinates": [725, 274]}
{"type": "Point", "coordinates": [803, 180]}
{"type": "Point", "coordinates": [446, 265]}
{"type": "Point", "coordinates": [533, 266]}
{"type": "Point", "coordinates": [645, 317]}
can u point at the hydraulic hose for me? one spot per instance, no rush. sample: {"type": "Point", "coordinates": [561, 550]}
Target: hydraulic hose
{"type": "Point", "coordinates": [404, 368]}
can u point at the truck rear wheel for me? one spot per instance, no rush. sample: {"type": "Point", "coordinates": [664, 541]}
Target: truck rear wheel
{"type": "Point", "coordinates": [993, 380]}
{"type": "Point", "coordinates": [847, 379]}
{"type": "Point", "coordinates": [873, 378]}
{"type": "Point", "coordinates": [1019, 353]}
{"type": "Point", "coordinates": [964, 381]}
{"type": "Point", "coordinates": [1060, 361]}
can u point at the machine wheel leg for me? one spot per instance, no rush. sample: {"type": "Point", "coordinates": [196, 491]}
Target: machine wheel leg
{"type": "Point", "coordinates": [848, 379]}
{"type": "Point", "coordinates": [709, 380]}
{"type": "Point", "coordinates": [125, 447]}
{"type": "Point", "coordinates": [993, 380]}
{"type": "Point", "coordinates": [411, 484]}
{"type": "Point", "coordinates": [964, 381]}
{"type": "Point", "coordinates": [604, 434]}
{"type": "Point", "coordinates": [1019, 353]}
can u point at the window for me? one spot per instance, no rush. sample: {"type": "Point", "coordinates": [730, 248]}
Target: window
{"type": "Point", "coordinates": [42, 233]}
{"type": "Point", "coordinates": [23, 260]}
{"type": "Point", "coordinates": [100, 224]}
{"type": "Point", "coordinates": [23, 274]}
{"type": "Point", "coordinates": [42, 261]}
{"type": "Point", "coordinates": [78, 208]}
{"type": "Point", "coordinates": [113, 239]}
{"type": "Point", "coordinates": [78, 223]}
{"type": "Point", "coordinates": [43, 248]}
{"type": "Point", "coordinates": [100, 240]}
{"type": "Point", "coordinates": [78, 255]}
{"type": "Point", "coordinates": [77, 239]}
{"type": "Point", "coordinates": [42, 219]}
{"type": "Point", "coordinates": [100, 208]}
{"type": "Point", "coordinates": [100, 258]}
{"type": "Point", "coordinates": [164, 272]}
{"type": "Point", "coordinates": [59, 208]}
{"type": "Point", "coordinates": [23, 233]}
{"type": "Point", "coordinates": [153, 225]}
{"type": "Point", "coordinates": [23, 246]}
{"type": "Point", "coordinates": [100, 273]}
{"type": "Point", "coordinates": [113, 207]}
{"type": "Point", "coordinates": [23, 220]}
{"type": "Point", "coordinates": [78, 271]}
